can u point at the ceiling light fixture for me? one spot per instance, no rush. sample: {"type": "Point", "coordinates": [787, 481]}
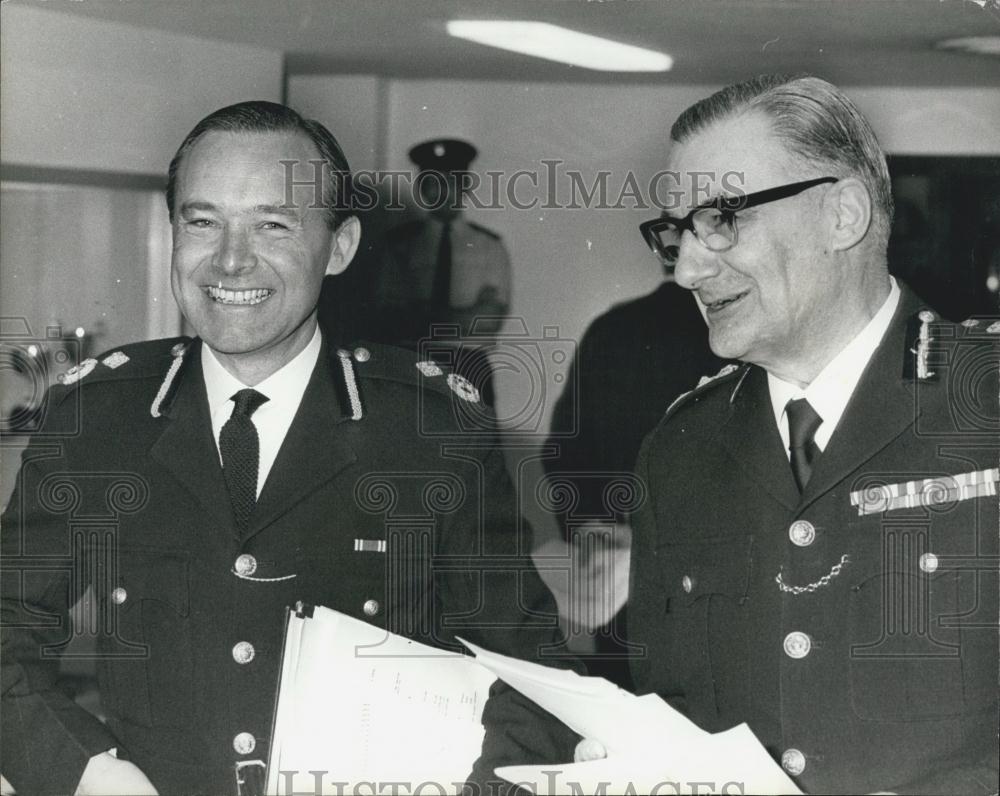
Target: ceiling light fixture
{"type": "Point", "coordinates": [978, 45]}
{"type": "Point", "coordinates": [556, 43]}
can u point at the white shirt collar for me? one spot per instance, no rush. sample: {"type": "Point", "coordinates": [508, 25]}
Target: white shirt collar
{"type": "Point", "coordinates": [832, 388]}
{"type": "Point", "coordinates": [284, 389]}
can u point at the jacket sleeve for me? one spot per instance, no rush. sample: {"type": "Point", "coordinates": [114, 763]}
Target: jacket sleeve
{"type": "Point", "coordinates": [45, 737]}
{"type": "Point", "coordinates": [496, 598]}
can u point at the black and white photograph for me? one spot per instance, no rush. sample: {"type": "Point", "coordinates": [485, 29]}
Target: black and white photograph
{"type": "Point", "coordinates": [499, 397]}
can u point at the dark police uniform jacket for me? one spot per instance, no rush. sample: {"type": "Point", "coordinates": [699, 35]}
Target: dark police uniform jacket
{"type": "Point", "coordinates": [123, 491]}
{"type": "Point", "coordinates": [879, 671]}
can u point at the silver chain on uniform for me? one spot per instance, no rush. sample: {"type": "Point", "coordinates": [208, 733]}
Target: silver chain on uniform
{"type": "Point", "coordinates": [810, 587]}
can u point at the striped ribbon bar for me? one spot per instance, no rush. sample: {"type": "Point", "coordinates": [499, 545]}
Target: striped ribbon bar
{"type": "Point", "coordinates": [879, 498]}
{"type": "Point", "coordinates": [369, 545]}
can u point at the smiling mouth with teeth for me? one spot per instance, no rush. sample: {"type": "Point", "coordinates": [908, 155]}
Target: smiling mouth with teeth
{"type": "Point", "coordinates": [715, 306]}
{"type": "Point", "coordinates": [222, 295]}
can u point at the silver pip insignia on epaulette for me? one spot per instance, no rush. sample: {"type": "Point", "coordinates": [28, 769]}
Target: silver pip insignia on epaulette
{"type": "Point", "coordinates": [115, 359]}
{"type": "Point", "coordinates": [702, 382]}
{"type": "Point", "coordinates": [429, 368]}
{"type": "Point", "coordinates": [77, 372]}
{"type": "Point", "coordinates": [709, 379]}
{"type": "Point", "coordinates": [463, 388]}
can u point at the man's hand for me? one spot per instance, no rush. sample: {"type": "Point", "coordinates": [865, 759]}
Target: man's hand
{"type": "Point", "coordinates": [589, 749]}
{"type": "Point", "coordinates": [597, 587]}
{"type": "Point", "coordinates": [106, 775]}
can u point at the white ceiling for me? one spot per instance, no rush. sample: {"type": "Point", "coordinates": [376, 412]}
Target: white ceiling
{"type": "Point", "coordinates": [853, 42]}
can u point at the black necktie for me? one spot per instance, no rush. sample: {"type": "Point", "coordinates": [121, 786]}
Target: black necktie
{"type": "Point", "coordinates": [441, 288]}
{"type": "Point", "coordinates": [802, 424]}
{"type": "Point", "coordinates": [240, 449]}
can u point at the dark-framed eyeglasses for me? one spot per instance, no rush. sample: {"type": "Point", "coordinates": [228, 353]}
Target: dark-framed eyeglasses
{"type": "Point", "coordinates": [714, 222]}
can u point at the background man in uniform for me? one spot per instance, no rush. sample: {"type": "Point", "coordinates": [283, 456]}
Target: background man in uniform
{"type": "Point", "coordinates": [227, 475]}
{"type": "Point", "coordinates": [793, 567]}
{"type": "Point", "coordinates": [442, 269]}
{"type": "Point", "coordinates": [654, 348]}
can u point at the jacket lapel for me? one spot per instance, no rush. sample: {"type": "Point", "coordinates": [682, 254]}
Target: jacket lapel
{"type": "Point", "coordinates": [312, 453]}
{"type": "Point", "coordinates": [751, 438]}
{"type": "Point", "coordinates": [186, 447]}
{"type": "Point", "coordinates": [881, 408]}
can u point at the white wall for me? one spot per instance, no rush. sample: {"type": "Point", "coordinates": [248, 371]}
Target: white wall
{"type": "Point", "coordinates": [88, 94]}
{"type": "Point", "coordinates": [352, 106]}
{"type": "Point", "coordinates": [933, 121]}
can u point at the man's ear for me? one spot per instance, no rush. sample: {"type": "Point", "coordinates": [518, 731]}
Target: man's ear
{"type": "Point", "coordinates": [849, 206]}
{"type": "Point", "coordinates": [345, 245]}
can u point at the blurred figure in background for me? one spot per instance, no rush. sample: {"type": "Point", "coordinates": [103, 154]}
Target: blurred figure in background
{"type": "Point", "coordinates": [442, 271]}
{"type": "Point", "coordinates": [632, 363]}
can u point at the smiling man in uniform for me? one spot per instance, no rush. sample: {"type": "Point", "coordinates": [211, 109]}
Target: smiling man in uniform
{"type": "Point", "coordinates": [236, 473]}
{"type": "Point", "coordinates": [818, 554]}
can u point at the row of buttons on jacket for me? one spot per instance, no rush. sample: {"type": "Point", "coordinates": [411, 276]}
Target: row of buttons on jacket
{"type": "Point", "coordinates": [245, 565]}
{"type": "Point", "coordinates": [243, 651]}
{"type": "Point", "coordinates": [798, 645]}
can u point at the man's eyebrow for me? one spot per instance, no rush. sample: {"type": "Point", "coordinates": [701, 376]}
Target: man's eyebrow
{"type": "Point", "coordinates": [728, 202]}
{"type": "Point", "coordinates": [197, 207]}
{"type": "Point", "coordinates": [277, 210]}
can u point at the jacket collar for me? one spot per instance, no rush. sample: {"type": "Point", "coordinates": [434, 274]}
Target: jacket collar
{"type": "Point", "coordinates": [310, 455]}
{"type": "Point", "coordinates": [880, 409]}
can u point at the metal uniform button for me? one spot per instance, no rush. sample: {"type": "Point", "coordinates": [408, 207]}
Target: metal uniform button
{"type": "Point", "coordinates": [802, 533]}
{"type": "Point", "coordinates": [371, 607]}
{"type": "Point", "coordinates": [245, 564]}
{"type": "Point", "coordinates": [243, 652]}
{"type": "Point", "coordinates": [687, 584]}
{"type": "Point", "coordinates": [793, 761]}
{"type": "Point", "coordinates": [119, 595]}
{"type": "Point", "coordinates": [928, 563]}
{"type": "Point", "coordinates": [797, 645]}
{"type": "Point", "coordinates": [244, 743]}
{"type": "Point", "coordinates": [362, 354]}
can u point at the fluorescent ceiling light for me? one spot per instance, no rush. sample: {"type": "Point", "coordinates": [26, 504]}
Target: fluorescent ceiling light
{"type": "Point", "coordinates": [556, 43]}
{"type": "Point", "coordinates": [980, 45]}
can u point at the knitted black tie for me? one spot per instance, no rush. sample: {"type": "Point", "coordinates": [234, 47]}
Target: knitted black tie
{"type": "Point", "coordinates": [802, 425]}
{"type": "Point", "coordinates": [240, 449]}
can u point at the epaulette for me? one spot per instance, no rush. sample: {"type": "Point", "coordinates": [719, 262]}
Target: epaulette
{"type": "Point", "coordinates": [926, 332]}
{"type": "Point", "coordinates": [388, 363]}
{"type": "Point", "coordinates": [484, 230]}
{"type": "Point", "coordinates": [706, 384]}
{"type": "Point", "coordinates": [132, 361]}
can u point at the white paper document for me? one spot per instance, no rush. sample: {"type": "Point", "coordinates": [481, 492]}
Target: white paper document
{"type": "Point", "coordinates": [651, 747]}
{"type": "Point", "coordinates": [358, 704]}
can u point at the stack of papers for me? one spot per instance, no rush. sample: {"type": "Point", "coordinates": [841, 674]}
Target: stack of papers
{"type": "Point", "coordinates": [650, 746]}
{"type": "Point", "coordinates": [361, 705]}
{"type": "Point", "coordinates": [364, 710]}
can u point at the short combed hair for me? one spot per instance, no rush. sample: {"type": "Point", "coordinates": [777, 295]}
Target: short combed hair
{"type": "Point", "coordinates": [816, 121]}
{"type": "Point", "coordinates": [258, 116]}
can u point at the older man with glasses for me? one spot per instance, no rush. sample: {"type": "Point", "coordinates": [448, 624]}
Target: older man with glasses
{"type": "Point", "coordinates": [818, 553]}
